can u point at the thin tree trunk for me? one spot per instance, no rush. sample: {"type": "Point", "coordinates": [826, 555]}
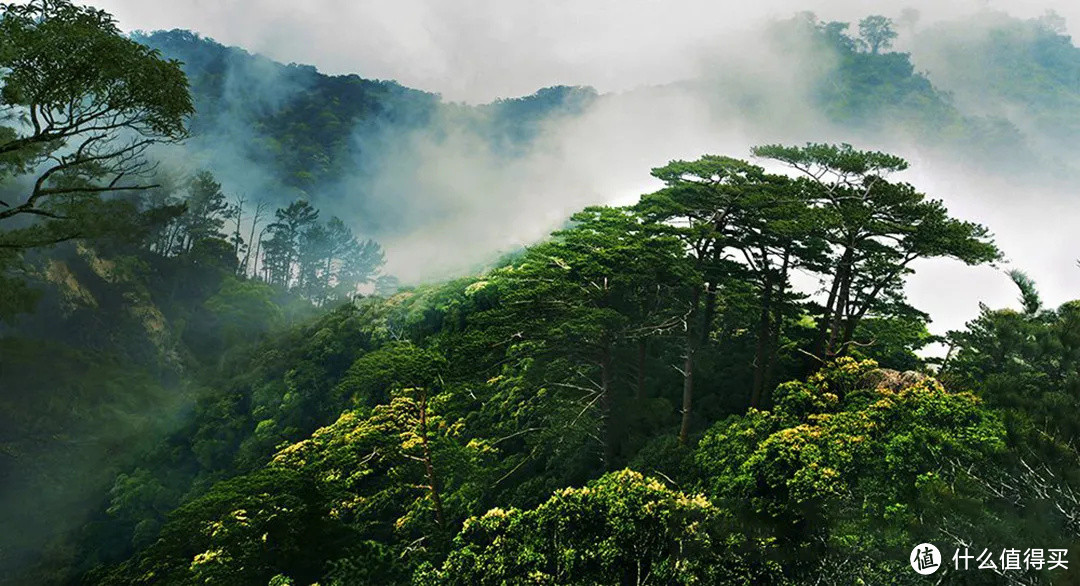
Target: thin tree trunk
{"type": "Point", "coordinates": [251, 238]}
{"type": "Point", "coordinates": [842, 301]}
{"type": "Point", "coordinates": [710, 299]}
{"type": "Point", "coordinates": [429, 467]}
{"type": "Point", "coordinates": [777, 322]}
{"type": "Point", "coordinates": [240, 201]}
{"type": "Point", "coordinates": [688, 370]}
{"type": "Point", "coordinates": [948, 356]}
{"type": "Point", "coordinates": [834, 307]}
{"type": "Point", "coordinates": [826, 317]}
{"type": "Point", "coordinates": [708, 313]}
{"type": "Point", "coordinates": [688, 392]}
{"type": "Point", "coordinates": [258, 249]}
{"type": "Point", "coordinates": [850, 324]}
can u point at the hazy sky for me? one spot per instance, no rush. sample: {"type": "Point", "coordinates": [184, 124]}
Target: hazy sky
{"type": "Point", "coordinates": [478, 50]}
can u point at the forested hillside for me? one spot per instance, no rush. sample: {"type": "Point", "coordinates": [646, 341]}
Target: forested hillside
{"type": "Point", "coordinates": [294, 132]}
{"type": "Point", "coordinates": [209, 376]}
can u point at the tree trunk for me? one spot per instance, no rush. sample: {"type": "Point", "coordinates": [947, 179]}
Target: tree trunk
{"type": "Point", "coordinates": [850, 324]}
{"type": "Point", "coordinates": [429, 466]}
{"type": "Point", "coordinates": [834, 308]}
{"type": "Point", "coordinates": [836, 333]}
{"type": "Point", "coordinates": [707, 315]}
{"type": "Point", "coordinates": [688, 370]}
{"type": "Point", "coordinates": [762, 346]}
{"type": "Point", "coordinates": [710, 299]}
{"type": "Point", "coordinates": [777, 322]}
{"type": "Point", "coordinates": [826, 317]}
{"type": "Point", "coordinates": [687, 392]}
{"type": "Point", "coordinates": [236, 231]}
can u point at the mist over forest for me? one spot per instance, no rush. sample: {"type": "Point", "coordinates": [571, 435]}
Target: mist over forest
{"type": "Point", "coordinates": [795, 299]}
{"type": "Point", "coordinates": [983, 104]}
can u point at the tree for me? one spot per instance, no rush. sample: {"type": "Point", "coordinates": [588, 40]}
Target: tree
{"type": "Point", "coordinates": [849, 467]}
{"type": "Point", "coordinates": [875, 230]}
{"type": "Point", "coordinates": [624, 528]}
{"type": "Point", "coordinates": [235, 213]}
{"type": "Point", "coordinates": [610, 279]}
{"type": "Point", "coordinates": [1025, 361]}
{"type": "Point", "coordinates": [242, 531]}
{"type": "Point", "coordinates": [1029, 294]}
{"type": "Point", "coordinates": [281, 252]}
{"type": "Point", "coordinates": [836, 35]}
{"type": "Point", "coordinates": [313, 263]}
{"type": "Point", "coordinates": [700, 199]}
{"type": "Point", "coordinates": [245, 264]}
{"type": "Point", "coordinates": [333, 262]}
{"type": "Point", "coordinates": [358, 261]}
{"type": "Point", "coordinates": [740, 225]}
{"type": "Point", "coordinates": [83, 104]}
{"type": "Point", "coordinates": [1052, 22]}
{"type": "Point", "coordinates": [876, 33]}
{"type": "Point", "coordinates": [204, 218]}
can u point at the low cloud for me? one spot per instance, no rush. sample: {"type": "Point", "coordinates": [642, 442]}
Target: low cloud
{"type": "Point", "coordinates": [680, 79]}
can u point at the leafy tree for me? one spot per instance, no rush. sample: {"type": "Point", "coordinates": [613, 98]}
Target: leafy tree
{"type": "Point", "coordinates": [86, 103]}
{"type": "Point", "coordinates": [849, 466]}
{"type": "Point", "coordinates": [313, 259]}
{"type": "Point", "coordinates": [243, 531]}
{"type": "Point", "coordinates": [875, 229]}
{"type": "Point", "coordinates": [740, 225]}
{"type": "Point", "coordinates": [403, 474]}
{"type": "Point", "coordinates": [702, 198]}
{"type": "Point", "coordinates": [1053, 22]}
{"type": "Point", "coordinates": [609, 279]}
{"type": "Point", "coordinates": [623, 528]}
{"type": "Point", "coordinates": [245, 309]}
{"type": "Point", "coordinates": [333, 262]}
{"type": "Point", "coordinates": [1027, 362]}
{"type": "Point", "coordinates": [79, 106]}
{"type": "Point", "coordinates": [358, 264]}
{"type": "Point", "coordinates": [876, 33]}
{"type": "Point", "coordinates": [204, 216]}
{"type": "Point", "coordinates": [281, 252]}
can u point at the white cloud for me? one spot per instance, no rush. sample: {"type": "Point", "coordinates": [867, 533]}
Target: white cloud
{"type": "Point", "coordinates": [477, 50]}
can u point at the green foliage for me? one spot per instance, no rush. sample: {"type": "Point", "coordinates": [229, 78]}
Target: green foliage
{"type": "Point", "coordinates": [875, 229]}
{"type": "Point", "coordinates": [839, 462]}
{"type": "Point", "coordinates": [622, 528]}
{"type": "Point", "coordinates": [568, 306]}
{"type": "Point", "coordinates": [87, 103]}
{"type": "Point", "coordinates": [876, 33]}
{"type": "Point", "coordinates": [398, 365]}
{"type": "Point", "coordinates": [362, 443]}
{"type": "Point", "coordinates": [1002, 66]}
{"type": "Point", "coordinates": [244, 531]}
{"type": "Point", "coordinates": [1027, 362]}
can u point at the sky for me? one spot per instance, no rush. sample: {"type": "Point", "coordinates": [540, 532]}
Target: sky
{"type": "Point", "coordinates": [479, 50]}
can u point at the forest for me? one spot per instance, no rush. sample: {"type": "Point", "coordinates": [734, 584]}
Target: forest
{"type": "Point", "coordinates": [209, 373]}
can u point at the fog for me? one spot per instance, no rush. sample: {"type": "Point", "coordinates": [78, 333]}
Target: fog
{"type": "Point", "coordinates": [677, 80]}
{"type": "Point", "coordinates": [480, 50]}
